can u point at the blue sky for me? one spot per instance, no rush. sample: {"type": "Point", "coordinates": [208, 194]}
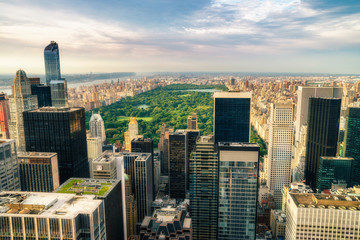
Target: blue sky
{"type": "Point", "coordinates": [187, 35]}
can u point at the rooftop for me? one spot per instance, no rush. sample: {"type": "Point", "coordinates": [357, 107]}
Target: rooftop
{"type": "Point", "coordinates": [167, 214]}
{"type": "Point", "coordinates": [88, 186]}
{"type": "Point", "coordinates": [337, 158]}
{"type": "Point", "coordinates": [309, 200]}
{"type": "Point", "coordinates": [237, 144]}
{"type": "Point", "coordinates": [36, 154]}
{"type": "Point", "coordinates": [56, 109]}
{"type": "Point", "coordinates": [46, 204]}
{"type": "Point", "coordinates": [232, 95]}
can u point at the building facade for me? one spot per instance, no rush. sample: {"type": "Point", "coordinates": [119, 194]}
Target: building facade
{"type": "Point", "coordinates": [60, 130]}
{"type": "Point", "coordinates": [352, 142]}
{"type": "Point", "coordinates": [21, 100]}
{"type": "Point", "coordinates": [39, 171]}
{"type": "Point", "coordinates": [43, 94]}
{"type": "Point", "coordinates": [9, 170]}
{"type": "Point", "coordinates": [238, 190]}
{"type": "Point", "coordinates": [97, 128]}
{"type": "Point", "coordinates": [94, 147]}
{"type": "Point", "coordinates": [203, 176]}
{"type": "Point", "coordinates": [59, 94]}
{"type": "Point", "coordinates": [322, 136]}
{"type": "Point", "coordinates": [104, 166]}
{"type": "Point", "coordinates": [131, 133]}
{"type": "Point", "coordinates": [232, 116]}
{"type": "Point", "coordinates": [163, 147]}
{"type": "Point", "coordinates": [4, 117]}
{"type": "Point", "coordinates": [52, 62]}
{"type": "Point", "coordinates": [280, 148]}
{"type": "Point", "coordinates": [192, 122]}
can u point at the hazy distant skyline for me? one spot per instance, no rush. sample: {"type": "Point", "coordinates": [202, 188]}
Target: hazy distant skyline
{"type": "Point", "coordinates": [187, 35]}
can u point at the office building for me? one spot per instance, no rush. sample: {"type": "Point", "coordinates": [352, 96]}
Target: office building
{"type": "Point", "coordinates": [9, 170]}
{"type": "Point", "coordinates": [35, 215]}
{"type": "Point", "coordinates": [177, 165]}
{"type": "Point", "coordinates": [143, 186]}
{"type": "Point", "coordinates": [39, 171]}
{"type": "Point", "coordinates": [322, 216]}
{"type": "Point", "coordinates": [278, 224]}
{"type": "Point", "coordinates": [232, 116]}
{"type": "Point", "coordinates": [104, 166]}
{"type": "Point", "coordinates": [94, 147]}
{"type": "Point", "coordinates": [163, 147]}
{"type": "Point", "coordinates": [131, 207]}
{"type": "Point", "coordinates": [4, 117]}
{"type": "Point", "coordinates": [145, 145]}
{"type": "Point", "coordinates": [192, 122]}
{"type": "Point", "coordinates": [322, 136]}
{"type": "Point", "coordinates": [352, 142]}
{"type": "Point", "coordinates": [43, 94]}
{"type": "Point", "coordinates": [112, 194]}
{"type": "Point", "coordinates": [21, 100]}
{"type": "Point", "coordinates": [280, 148]}
{"type": "Point", "coordinates": [203, 176]}
{"type": "Point", "coordinates": [191, 138]}
{"type": "Point", "coordinates": [131, 133]}
{"type": "Point", "coordinates": [52, 62]}
{"type": "Point", "coordinates": [34, 80]}
{"type": "Point", "coordinates": [97, 128]}
{"type": "Point", "coordinates": [59, 94]}
{"type": "Point", "coordinates": [59, 130]}
{"type": "Point", "coordinates": [302, 109]}
{"type": "Point", "coordinates": [333, 169]}
{"type": "Point", "coordinates": [238, 189]}
{"type": "Point", "coordinates": [166, 223]}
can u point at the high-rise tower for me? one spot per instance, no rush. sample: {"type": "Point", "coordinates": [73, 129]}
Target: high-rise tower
{"type": "Point", "coordinates": [232, 116]}
{"type": "Point", "coordinates": [52, 62]}
{"type": "Point", "coordinates": [280, 148]}
{"type": "Point", "coordinates": [322, 136]}
{"type": "Point", "coordinates": [21, 100]}
{"type": "Point", "coordinates": [4, 117]}
{"type": "Point", "coordinates": [97, 128]}
{"type": "Point", "coordinates": [192, 122]}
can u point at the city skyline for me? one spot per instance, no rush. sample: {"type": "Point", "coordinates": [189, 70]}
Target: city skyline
{"type": "Point", "coordinates": [156, 36]}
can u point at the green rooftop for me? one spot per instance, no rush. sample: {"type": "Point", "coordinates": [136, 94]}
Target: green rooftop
{"type": "Point", "coordinates": [87, 186]}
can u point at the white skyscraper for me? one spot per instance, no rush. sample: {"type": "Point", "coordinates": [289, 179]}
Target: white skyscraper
{"type": "Point", "coordinates": [97, 128]}
{"type": "Point", "coordinates": [280, 148]}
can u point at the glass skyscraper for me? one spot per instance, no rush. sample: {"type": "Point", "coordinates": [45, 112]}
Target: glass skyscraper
{"type": "Point", "coordinates": [203, 175]}
{"type": "Point", "coordinates": [322, 136]}
{"type": "Point", "coordinates": [232, 116]}
{"type": "Point", "coordinates": [52, 62]}
{"type": "Point", "coordinates": [352, 142]}
{"type": "Point", "coordinates": [238, 188]}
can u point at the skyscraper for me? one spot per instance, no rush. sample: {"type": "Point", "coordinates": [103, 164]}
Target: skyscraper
{"type": "Point", "coordinates": [21, 100]}
{"type": "Point", "coordinates": [9, 170]}
{"type": "Point", "coordinates": [60, 130]}
{"type": "Point", "coordinates": [163, 147]}
{"type": "Point", "coordinates": [303, 95]}
{"type": "Point", "coordinates": [94, 147]}
{"type": "Point", "coordinates": [177, 165]}
{"type": "Point", "coordinates": [59, 94]}
{"type": "Point", "coordinates": [52, 62]}
{"type": "Point", "coordinates": [203, 176]}
{"type": "Point", "coordinates": [322, 136]}
{"type": "Point", "coordinates": [43, 94]}
{"type": "Point", "coordinates": [4, 117]}
{"type": "Point", "coordinates": [97, 128]}
{"type": "Point", "coordinates": [39, 171]}
{"type": "Point", "coordinates": [232, 116]}
{"type": "Point", "coordinates": [191, 138]}
{"type": "Point", "coordinates": [238, 190]}
{"type": "Point", "coordinates": [280, 148]}
{"type": "Point", "coordinates": [192, 122]}
{"type": "Point", "coordinates": [352, 142]}
{"type": "Point", "coordinates": [131, 133]}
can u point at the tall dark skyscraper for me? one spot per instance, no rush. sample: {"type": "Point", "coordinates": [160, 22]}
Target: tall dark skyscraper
{"type": "Point", "coordinates": [163, 147]}
{"type": "Point", "coordinates": [52, 62]}
{"type": "Point", "coordinates": [145, 145]}
{"type": "Point", "coordinates": [177, 165]}
{"type": "Point", "coordinates": [232, 116]}
{"type": "Point", "coordinates": [43, 94]}
{"type": "Point", "coordinates": [191, 138]}
{"type": "Point", "coordinates": [60, 130]}
{"type": "Point", "coordinates": [204, 180]}
{"type": "Point", "coordinates": [352, 142]}
{"type": "Point", "coordinates": [323, 129]}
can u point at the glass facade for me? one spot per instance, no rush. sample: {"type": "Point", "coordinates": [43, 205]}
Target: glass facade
{"type": "Point", "coordinates": [59, 130]}
{"type": "Point", "coordinates": [9, 166]}
{"type": "Point", "coordinates": [352, 142]}
{"type": "Point", "coordinates": [232, 118]}
{"type": "Point", "coordinates": [177, 165]}
{"type": "Point", "coordinates": [238, 187]}
{"type": "Point", "coordinates": [43, 94]}
{"type": "Point", "coordinates": [322, 136]}
{"type": "Point", "coordinates": [52, 62]}
{"type": "Point", "coordinates": [203, 176]}
{"type": "Point", "coordinates": [333, 168]}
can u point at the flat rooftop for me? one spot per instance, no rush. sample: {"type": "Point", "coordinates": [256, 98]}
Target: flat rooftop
{"type": "Point", "coordinates": [88, 186]}
{"type": "Point", "coordinates": [36, 154]}
{"type": "Point", "coordinates": [46, 204]}
{"type": "Point", "coordinates": [167, 214]}
{"type": "Point", "coordinates": [337, 158]}
{"type": "Point", "coordinates": [232, 95]}
{"type": "Point", "coordinates": [56, 109]}
{"type": "Point", "coordinates": [310, 200]}
{"type": "Point", "coordinates": [237, 144]}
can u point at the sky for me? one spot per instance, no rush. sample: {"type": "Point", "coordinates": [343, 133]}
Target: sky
{"type": "Point", "coordinates": [301, 36]}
